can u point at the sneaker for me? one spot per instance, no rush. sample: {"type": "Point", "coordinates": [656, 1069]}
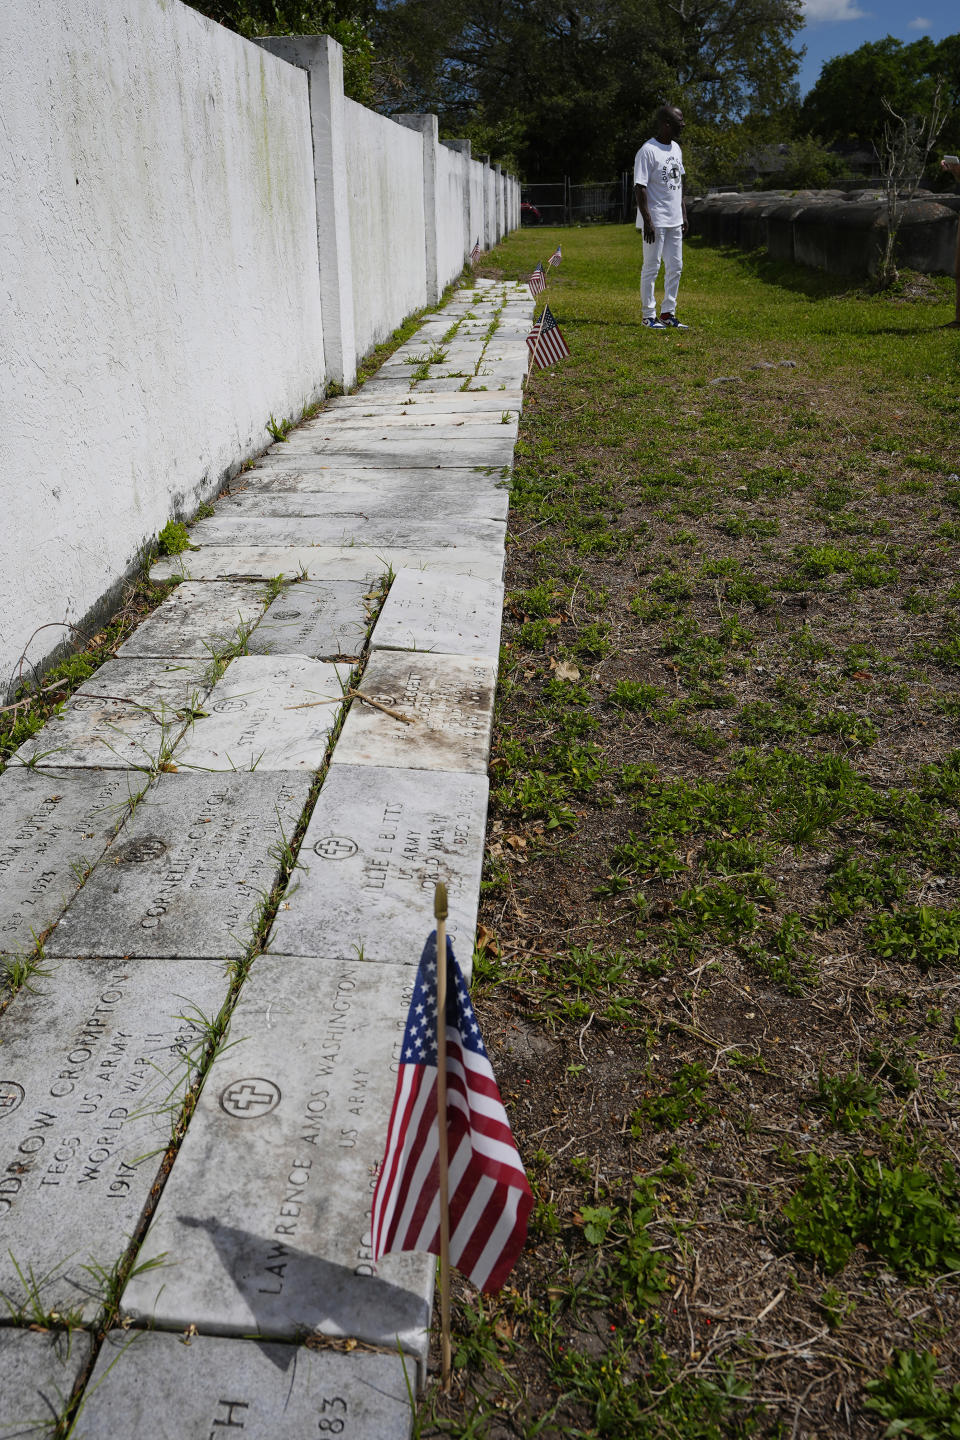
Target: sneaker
{"type": "Point", "coordinates": [670, 322]}
{"type": "Point", "coordinates": [652, 323]}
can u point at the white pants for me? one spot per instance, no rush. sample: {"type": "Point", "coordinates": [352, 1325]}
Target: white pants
{"type": "Point", "coordinates": [668, 247]}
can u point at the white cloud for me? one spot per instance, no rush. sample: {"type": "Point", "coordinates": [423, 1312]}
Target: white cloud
{"type": "Point", "coordinates": [833, 10]}
{"type": "Point", "coordinates": [919, 24]}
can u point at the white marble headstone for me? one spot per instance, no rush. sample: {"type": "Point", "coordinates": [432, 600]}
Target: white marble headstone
{"type": "Point", "coordinates": [376, 845]}
{"type": "Point", "coordinates": [265, 1220]}
{"type": "Point", "coordinates": [188, 873]}
{"type": "Point", "coordinates": [266, 713]}
{"type": "Point", "coordinates": [54, 825]}
{"type": "Point", "coordinates": [170, 1388]}
{"type": "Point", "coordinates": [93, 1067]}
{"type": "Point", "coordinates": [446, 702]}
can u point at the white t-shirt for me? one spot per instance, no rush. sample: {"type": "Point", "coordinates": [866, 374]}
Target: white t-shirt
{"type": "Point", "coordinates": [659, 166]}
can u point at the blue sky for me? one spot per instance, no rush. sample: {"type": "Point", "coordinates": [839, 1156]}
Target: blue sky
{"type": "Point", "coordinates": [835, 27]}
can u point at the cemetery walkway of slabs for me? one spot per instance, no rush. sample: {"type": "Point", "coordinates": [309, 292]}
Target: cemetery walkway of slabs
{"type": "Point", "coordinates": [141, 831]}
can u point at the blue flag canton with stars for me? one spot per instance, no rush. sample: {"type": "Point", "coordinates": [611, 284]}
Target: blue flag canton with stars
{"type": "Point", "coordinates": [420, 1036]}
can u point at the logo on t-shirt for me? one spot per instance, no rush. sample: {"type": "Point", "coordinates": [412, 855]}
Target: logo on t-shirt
{"type": "Point", "coordinates": [671, 175]}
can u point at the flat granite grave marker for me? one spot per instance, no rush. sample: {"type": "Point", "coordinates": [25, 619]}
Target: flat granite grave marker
{"type": "Point", "coordinates": [448, 704]}
{"type": "Point", "coordinates": [441, 614]}
{"type": "Point", "coordinates": [201, 620]}
{"type": "Point", "coordinates": [93, 1066]}
{"type": "Point", "coordinates": [37, 1376]}
{"type": "Point", "coordinates": [124, 717]}
{"type": "Point", "coordinates": [404, 419]}
{"type": "Point", "coordinates": [427, 404]}
{"type": "Point", "coordinates": [54, 825]}
{"type": "Point", "coordinates": [151, 1384]}
{"type": "Point", "coordinates": [377, 842]}
{"type": "Point", "coordinates": [375, 485]}
{"type": "Point", "coordinates": [425, 450]}
{"type": "Point", "coordinates": [316, 620]}
{"type": "Point", "coordinates": [327, 562]}
{"type": "Point", "coordinates": [267, 712]}
{"type": "Point", "coordinates": [345, 530]}
{"type": "Point", "coordinates": [265, 1217]}
{"type": "Point", "coordinates": [188, 873]}
{"type": "Point", "coordinates": [386, 500]}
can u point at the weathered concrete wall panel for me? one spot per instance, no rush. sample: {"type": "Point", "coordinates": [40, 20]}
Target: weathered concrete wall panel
{"type": "Point", "coordinates": [159, 294]}
{"type": "Point", "coordinates": [453, 213]}
{"type": "Point", "coordinates": [196, 233]}
{"type": "Point", "coordinates": [385, 195]}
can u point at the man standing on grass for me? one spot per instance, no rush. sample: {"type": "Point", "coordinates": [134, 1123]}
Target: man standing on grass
{"type": "Point", "coordinates": [662, 216]}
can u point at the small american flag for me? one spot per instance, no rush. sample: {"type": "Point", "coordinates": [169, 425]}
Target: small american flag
{"type": "Point", "coordinates": [490, 1197]}
{"type": "Point", "coordinates": [545, 341]}
{"type": "Point", "coordinates": [537, 281]}
{"type": "Point", "coordinates": [475, 252]}
{"type": "Point", "coordinates": [556, 257]}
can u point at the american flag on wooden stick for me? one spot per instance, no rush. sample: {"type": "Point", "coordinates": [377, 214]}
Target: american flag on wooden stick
{"type": "Point", "coordinates": [475, 252]}
{"type": "Point", "coordinates": [537, 281]}
{"type": "Point", "coordinates": [490, 1197]}
{"type": "Point", "coordinates": [545, 341]}
{"type": "Point", "coordinates": [556, 257]}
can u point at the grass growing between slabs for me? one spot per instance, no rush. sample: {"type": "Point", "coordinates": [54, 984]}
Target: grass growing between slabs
{"type": "Point", "coordinates": [719, 963]}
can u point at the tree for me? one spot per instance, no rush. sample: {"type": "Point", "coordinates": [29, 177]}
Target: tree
{"type": "Point", "coordinates": [848, 101]}
{"type": "Point", "coordinates": [346, 20]}
{"type": "Point", "coordinates": [573, 88]}
{"type": "Point", "coordinates": [904, 152]}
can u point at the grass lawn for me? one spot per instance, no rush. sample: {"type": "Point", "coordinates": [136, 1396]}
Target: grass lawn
{"type": "Point", "coordinates": [718, 968]}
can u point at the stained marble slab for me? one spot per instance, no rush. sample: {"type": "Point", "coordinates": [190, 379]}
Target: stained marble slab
{"type": "Point", "coordinates": [37, 1375]}
{"type": "Point", "coordinates": [266, 713]}
{"type": "Point", "coordinates": [411, 418]}
{"type": "Point", "coordinates": [446, 702]}
{"type": "Point", "coordinates": [326, 562]}
{"type": "Point", "coordinates": [188, 873]}
{"type": "Point", "coordinates": [424, 450]}
{"type": "Point", "coordinates": [265, 1217]}
{"type": "Point", "coordinates": [427, 404]}
{"type": "Point", "coordinates": [344, 530]}
{"type": "Point", "coordinates": [378, 841]}
{"type": "Point", "coordinates": [175, 1389]}
{"type": "Point", "coordinates": [126, 716]}
{"type": "Point", "coordinates": [322, 621]}
{"type": "Point", "coordinates": [95, 1060]}
{"type": "Point", "coordinates": [442, 614]}
{"type": "Point", "coordinates": [54, 826]}
{"type": "Point", "coordinates": [428, 501]}
{"type": "Point", "coordinates": [197, 620]}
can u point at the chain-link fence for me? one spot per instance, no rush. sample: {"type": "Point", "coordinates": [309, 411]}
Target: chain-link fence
{"type": "Point", "coordinates": [563, 203]}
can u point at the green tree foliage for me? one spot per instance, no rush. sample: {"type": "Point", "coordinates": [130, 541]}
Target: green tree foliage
{"type": "Point", "coordinates": [846, 104]}
{"type": "Point", "coordinates": [346, 20]}
{"type": "Point", "coordinates": [571, 89]}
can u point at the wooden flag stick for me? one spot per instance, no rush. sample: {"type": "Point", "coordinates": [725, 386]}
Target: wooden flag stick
{"type": "Point", "coordinates": [440, 914]}
{"type": "Point", "coordinates": [536, 347]}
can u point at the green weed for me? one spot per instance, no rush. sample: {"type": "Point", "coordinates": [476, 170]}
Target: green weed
{"type": "Point", "coordinates": [917, 935]}
{"type": "Point", "coordinates": [909, 1396]}
{"type": "Point", "coordinates": [902, 1213]}
{"type": "Point", "coordinates": [683, 1102]}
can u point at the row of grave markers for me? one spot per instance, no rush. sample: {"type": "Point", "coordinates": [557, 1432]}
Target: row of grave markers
{"type": "Point", "coordinates": [144, 825]}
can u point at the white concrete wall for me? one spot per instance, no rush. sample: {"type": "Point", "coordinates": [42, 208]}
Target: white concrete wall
{"type": "Point", "coordinates": [385, 194]}
{"type": "Point", "coordinates": [159, 295]}
{"type": "Point", "coordinates": [453, 213]}
{"type": "Point", "coordinates": [490, 207]}
{"type": "Point", "coordinates": [182, 215]}
{"type": "Point", "coordinates": [476, 230]}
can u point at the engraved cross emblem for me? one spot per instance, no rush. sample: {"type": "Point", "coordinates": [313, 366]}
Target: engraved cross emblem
{"type": "Point", "coordinates": [11, 1095]}
{"type": "Point", "coordinates": [335, 847]}
{"type": "Point", "coordinates": [246, 1099]}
